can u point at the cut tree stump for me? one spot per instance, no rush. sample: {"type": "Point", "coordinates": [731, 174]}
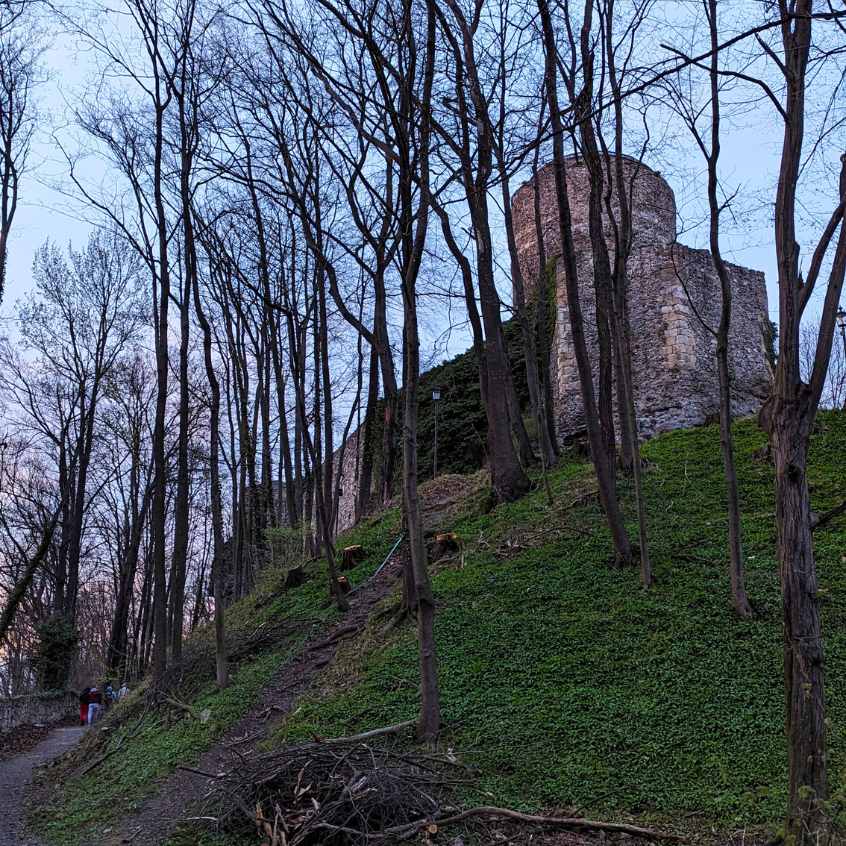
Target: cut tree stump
{"type": "Point", "coordinates": [445, 543]}
{"type": "Point", "coordinates": [344, 584]}
{"type": "Point", "coordinates": [351, 556]}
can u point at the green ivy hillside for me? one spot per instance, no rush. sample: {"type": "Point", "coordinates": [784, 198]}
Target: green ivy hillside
{"type": "Point", "coordinates": [568, 686]}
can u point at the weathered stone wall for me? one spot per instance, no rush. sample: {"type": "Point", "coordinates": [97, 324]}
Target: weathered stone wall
{"type": "Point", "coordinates": [38, 708]}
{"type": "Point", "coordinates": [669, 284]}
{"type": "Point", "coordinates": [350, 468]}
{"type": "Point", "coordinates": [348, 484]}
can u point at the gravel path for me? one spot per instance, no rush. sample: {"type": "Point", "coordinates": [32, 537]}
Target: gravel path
{"type": "Point", "coordinates": [15, 775]}
{"type": "Point", "coordinates": [184, 791]}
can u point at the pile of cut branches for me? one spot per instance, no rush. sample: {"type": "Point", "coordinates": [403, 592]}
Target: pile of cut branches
{"type": "Point", "coordinates": [342, 791]}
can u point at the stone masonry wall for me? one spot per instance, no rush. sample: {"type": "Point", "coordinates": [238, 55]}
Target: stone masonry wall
{"type": "Point", "coordinates": [350, 467]}
{"type": "Point", "coordinates": [672, 353]}
{"type": "Point", "coordinates": [39, 708]}
{"type": "Point", "coordinates": [348, 484]}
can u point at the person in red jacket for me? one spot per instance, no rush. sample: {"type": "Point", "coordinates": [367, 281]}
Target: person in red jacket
{"type": "Point", "coordinates": [83, 706]}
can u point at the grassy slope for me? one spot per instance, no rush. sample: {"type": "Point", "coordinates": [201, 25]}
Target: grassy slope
{"type": "Point", "coordinates": [86, 805]}
{"type": "Point", "coordinates": [567, 685]}
{"type": "Point", "coordinates": [562, 681]}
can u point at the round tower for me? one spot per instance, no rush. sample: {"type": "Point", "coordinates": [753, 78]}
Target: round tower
{"type": "Point", "coordinates": [652, 203]}
{"type": "Point", "coordinates": [670, 289]}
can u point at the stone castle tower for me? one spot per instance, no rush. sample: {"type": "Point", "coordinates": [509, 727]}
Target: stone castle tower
{"type": "Point", "coordinates": [673, 354]}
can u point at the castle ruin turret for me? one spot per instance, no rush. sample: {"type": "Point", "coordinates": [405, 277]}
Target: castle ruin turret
{"type": "Point", "coordinates": [673, 354]}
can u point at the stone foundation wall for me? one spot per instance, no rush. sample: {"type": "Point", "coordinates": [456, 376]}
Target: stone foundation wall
{"type": "Point", "coordinates": [39, 708]}
{"type": "Point", "coordinates": [350, 468]}
{"type": "Point", "coordinates": [669, 285]}
{"type": "Point", "coordinates": [348, 483]}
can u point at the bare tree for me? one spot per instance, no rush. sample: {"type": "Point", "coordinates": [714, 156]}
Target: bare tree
{"type": "Point", "coordinates": [391, 39]}
{"type": "Point", "coordinates": [708, 140]}
{"type": "Point", "coordinates": [20, 71]}
{"type": "Point", "coordinates": [598, 419]}
{"type": "Point", "coordinates": [85, 313]}
{"type": "Point", "coordinates": [789, 415]}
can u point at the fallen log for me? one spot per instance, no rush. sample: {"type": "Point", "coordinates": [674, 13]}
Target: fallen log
{"type": "Point", "coordinates": [569, 823]}
{"type": "Point", "coordinates": [819, 520]}
{"type": "Point", "coordinates": [369, 735]}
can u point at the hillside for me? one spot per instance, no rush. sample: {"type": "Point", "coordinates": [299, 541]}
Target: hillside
{"type": "Point", "coordinates": [563, 683]}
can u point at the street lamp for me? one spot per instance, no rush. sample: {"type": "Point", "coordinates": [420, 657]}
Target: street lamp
{"type": "Point", "coordinates": [436, 401]}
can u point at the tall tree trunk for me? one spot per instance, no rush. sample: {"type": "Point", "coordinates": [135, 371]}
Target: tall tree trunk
{"type": "Point", "coordinates": [546, 303]}
{"type": "Point", "coordinates": [789, 417]}
{"type": "Point", "coordinates": [736, 568]}
{"type": "Point", "coordinates": [736, 565]}
{"type": "Point", "coordinates": [179, 561]}
{"type": "Point", "coordinates": [604, 473]}
{"type": "Point", "coordinates": [508, 478]}
{"type": "Point", "coordinates": [117, 649]}
{"type": "Point", "coordinates": [430, 709]}
{"type": "Point", "coordinates": [160, 469]}
{"type": "Point", "coordinates": [365, 447]}
{"type": "Point", "coordinates": [221, 658]}
{"type": "Point", "coordinates": [619, 313]}
{"type": "Point", "coordinates": [803, 649]}
{"type": "Point", "coordinates": [528, 329]}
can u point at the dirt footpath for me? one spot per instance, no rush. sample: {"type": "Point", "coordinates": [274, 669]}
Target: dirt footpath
{"type": "Point", "coordinates": [16, 773]}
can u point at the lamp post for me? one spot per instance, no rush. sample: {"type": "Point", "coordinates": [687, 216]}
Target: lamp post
{"type": "Point", "coordinates": [436, 401]}
{"type": "Point", "coordinates": [840, 316]}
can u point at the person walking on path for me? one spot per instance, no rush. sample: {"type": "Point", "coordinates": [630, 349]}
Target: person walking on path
{"type": "Point", "coordinates": [95, 704]}
{"type": "Point", "coordinates": [83, 706]}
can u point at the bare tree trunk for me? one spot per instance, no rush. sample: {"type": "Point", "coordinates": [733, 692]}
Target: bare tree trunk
{"type": "Point", "coordinates": [528, 329]}
{"type": "Point", "coordinates": [508, 478]}
{"type": "Point", "coordinates": [736, 567]}
{"type": "Point", "coordinates": [117, 649]}
{"type": "Point", "coordinates": [179, 559]}
{"type": "Point", "coordinates": [158, 516]}
{"type": "Point", "coordinates": [788, 417]}
{"type": "Point", "coordinates": [430, 709]}
{"type": "Point", "coordinates": [604, 473]}
{"type": "Point", "coordinates": [803, 652]}
{"type": "Point", "coordinates": [221, 658]}
{"type": "Point", "coordinates": [546, 291]}
{"type": "Point", "coordinates": [365, 446]}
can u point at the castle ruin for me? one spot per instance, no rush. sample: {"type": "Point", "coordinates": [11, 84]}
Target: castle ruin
{"type": "Point", "coordinates": [673, 354]}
